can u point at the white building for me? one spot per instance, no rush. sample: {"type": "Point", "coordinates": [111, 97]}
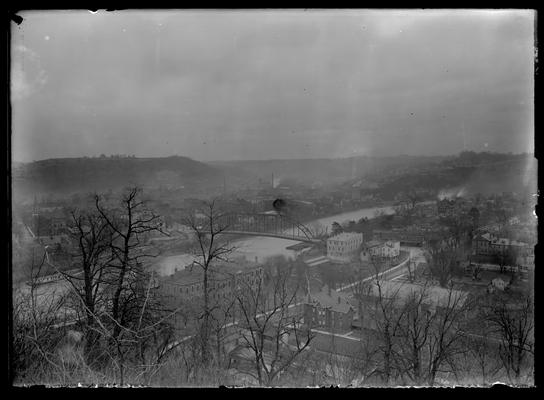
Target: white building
{"type": "Point", "coordinates": [499, 284]}
{"type": "Point", "coordinates": [344, 246]}
{"type": "Point", "coordinates": [387, 249]}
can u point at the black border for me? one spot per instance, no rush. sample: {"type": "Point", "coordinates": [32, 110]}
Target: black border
{"type": "Point", "coordinates": [12, 15]}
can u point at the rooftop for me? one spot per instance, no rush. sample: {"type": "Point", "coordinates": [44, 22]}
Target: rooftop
{"type": "Point", "coordinates": [193, 274]}
{"type": "Point", "coordinates": [433, 295]}
{"type": "Point", "coordinates": [336, 301]}
{"type": "Point", "coordinates": [313, 262]}
{"type": "Point", "coordinates": [373, 243]}
{"type": "Point", "coordinates": [499, 241]}
{"type": "Point", "coordinates": [508, 242]}
{"type": "Point", "coordinates": [298, 246]}
{"type": "Point", "coordinates": [346, 236]}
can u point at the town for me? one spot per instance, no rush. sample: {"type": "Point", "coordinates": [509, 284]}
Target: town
{"type": "Point", "coordinates": [272, 198]}
{"type": "Point", "coordinates": [320, 311]}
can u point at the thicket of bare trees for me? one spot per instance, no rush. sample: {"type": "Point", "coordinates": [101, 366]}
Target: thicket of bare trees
{"type": "Point", "coordinates": [34, 337]}
{"type": "Point", "coordinates": [416, 338]}
{"type": "Point", "coordinates": [210, 248]}
{"type": "Point", "coordinates": [108, 299]}
{"type": "Point", "coordinates": [423, 338]}
{"type": "Point", "coordinates": [272, 328]}
{"type": "Point", "coordinates": [511, 325]}
{"type": "Point", "coordinates": [443, 256]}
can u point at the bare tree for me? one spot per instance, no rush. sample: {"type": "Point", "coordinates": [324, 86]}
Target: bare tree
{"type": "Point", "coordinates": [482, 353]}
{"type": "Point", "coordinates": [442, 257]}
{"type": "Point", "coordinates": [92, 237]}
{"type": "Point", "coordinates": [386, 317]}
{"type": "Point", "coordinates": [418, 335]}
{"type": "Point", "coordinates": [210, 248]}
{"type": "Point", "coordinates": [37, 311]}
{"type": "Point", "coordinates": [223, 313]}
{"type": "Point", "coordinates": [336, 228]}
{"type": "Point", "coordinates": [513, 323]}
{"type": "Point", "coordinates": [416, 324]}
{"type": "Point", "coordinates": [445, 335]}
{"type": "Point", "coordinates": [413, 197]}
{"type": "Point", "coordinates": [131, 221]}
{"type": "Point", "coordinates": [318, 230]}
{"type": "Point", "coordinates": [272, 329]}
{"type": "Point", "coordinates": [112, 289]}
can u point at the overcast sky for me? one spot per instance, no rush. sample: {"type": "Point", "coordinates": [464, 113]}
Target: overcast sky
{"type": "Point", "coordinates": [228, 85]}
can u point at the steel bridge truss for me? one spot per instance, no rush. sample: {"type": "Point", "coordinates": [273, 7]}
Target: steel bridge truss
{"type": "Point", "coordinates": [269, 224]}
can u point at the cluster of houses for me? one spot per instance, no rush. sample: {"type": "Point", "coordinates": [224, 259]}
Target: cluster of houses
{"type": "Point", "coordinates": [335, 311]}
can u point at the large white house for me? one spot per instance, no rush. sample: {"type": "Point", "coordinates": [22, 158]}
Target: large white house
{"type": "Point", "coordinates": [387, 249]}
{"type": "Point", "coordinates": [344, 246]}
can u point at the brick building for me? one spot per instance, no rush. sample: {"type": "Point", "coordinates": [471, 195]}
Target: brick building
{"type": "Point", "coordinates": [223, 280]}
{"type": "Point", "coordinates": [488, 244]}
{"type": "Point", "coordinates": [328, 309]}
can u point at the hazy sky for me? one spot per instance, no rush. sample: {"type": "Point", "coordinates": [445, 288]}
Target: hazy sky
{"type": "Point", "coordinates": [223, 85]}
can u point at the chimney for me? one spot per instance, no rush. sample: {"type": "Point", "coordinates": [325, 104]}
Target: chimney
{"type": "Point", "coordinates": [338, 299]}
{"type": "Point", "coordinates": [256, 260]}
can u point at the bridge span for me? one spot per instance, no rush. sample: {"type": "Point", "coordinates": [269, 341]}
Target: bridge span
{"type": "Point", "coordinates": [266, 224]}
{"type": "Point", "coordinates": [274, 235]}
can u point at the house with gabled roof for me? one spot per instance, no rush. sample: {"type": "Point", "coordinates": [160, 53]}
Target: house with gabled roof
{"type": "Point", "coordinates": [328, 309]}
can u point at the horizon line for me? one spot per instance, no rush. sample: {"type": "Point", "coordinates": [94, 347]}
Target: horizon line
{"type": "Point", "coordinates": [124, 156]}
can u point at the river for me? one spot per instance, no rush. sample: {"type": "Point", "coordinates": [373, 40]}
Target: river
{"type": "Point", "coordinates": [260, 247]}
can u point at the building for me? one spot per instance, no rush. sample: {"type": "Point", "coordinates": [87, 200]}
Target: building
{"type": "Point", "coordinates": [499, 284]}
{"type": "Point", "coordinates": [387, 249]}
{"type": "Point", "coordinates": [434, 297]}
{"type": "Point", "coordinates": [481, 244]}
{"type": "Point", "coordinates": [445, 206]}
{"type": "Point", "coordinates": [449, 206]}
{"type": "Point", "coordinates": [488, 244]}
{"type": "Point", "coordinates": [300, 248]}
{"type": "Point", "coordinates": [344, 246]}
{"type": "Point", "coordinates": [223, 280]}
{"type": "Point", "coordinates": [328, 309]}
{"type": "Point", "coordinates": [502, 246]}
{"type": "Point", "coordinates": [405, 237]}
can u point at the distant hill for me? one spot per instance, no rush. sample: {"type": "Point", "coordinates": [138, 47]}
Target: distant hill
{"type": "Point", "coordinates": [469, 171]}
{"type": "Point", "coordinates": [467, 174]}
{"type": "Point", "coordinates": [69, 175]}
{"type": "Point", "coordinates": [324, 170]}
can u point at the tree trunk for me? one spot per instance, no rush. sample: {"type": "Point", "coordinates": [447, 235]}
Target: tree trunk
{"type": "Point", "coordinates": [119, 288]}
{"type": "Point", "coordinates": [205, 328]}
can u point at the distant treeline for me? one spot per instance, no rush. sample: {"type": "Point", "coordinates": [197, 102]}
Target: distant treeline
{"type": "Point", "coordinates": [68, 175]}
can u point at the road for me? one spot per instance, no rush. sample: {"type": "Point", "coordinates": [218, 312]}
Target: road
{"type": "Point", "coordinates": [416, 256]}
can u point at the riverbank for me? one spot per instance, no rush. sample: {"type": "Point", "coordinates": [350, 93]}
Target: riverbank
{"type": "Point", "coordinates": [259, 247]}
